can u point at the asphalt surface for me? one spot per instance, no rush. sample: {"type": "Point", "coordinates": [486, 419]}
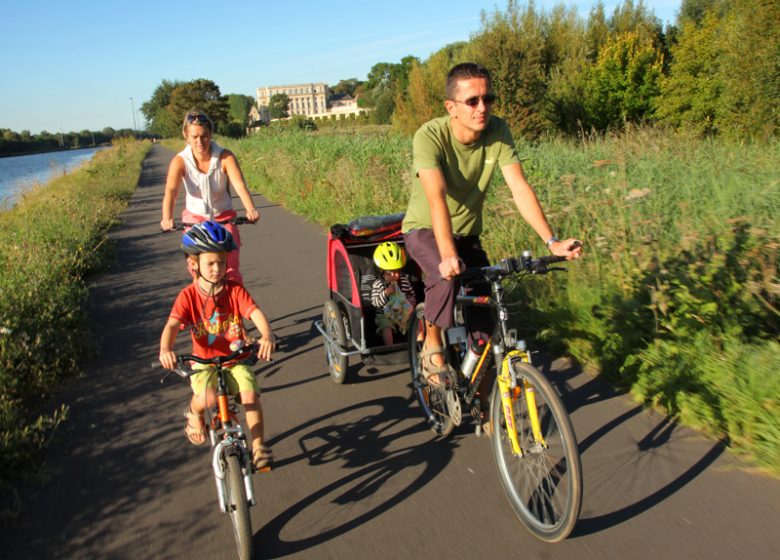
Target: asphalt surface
{"type": "Point", "coordinates": [358, 475]}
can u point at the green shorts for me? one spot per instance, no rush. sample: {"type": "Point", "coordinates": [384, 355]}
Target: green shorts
{"type": "Point", "coordinates": [239, 379]}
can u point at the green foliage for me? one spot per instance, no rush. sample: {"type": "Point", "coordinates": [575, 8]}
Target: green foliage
{"type": "Point", "coordinates": [198, 94]}
{"type": "Point", "coordinates": [155, 111]}
{"type": "Point", "coordinates": [725, 75]}
{"type": "Point", "coordinates": [171, 100]}
{"type": "Point", "coordinates": [621, 85]}
{"type": "Point", "coordinates": [278, 106]}
{"type": "Point", "coordinates": [55, 239]}
{"type": "Point", "coordinates": [238, 109]}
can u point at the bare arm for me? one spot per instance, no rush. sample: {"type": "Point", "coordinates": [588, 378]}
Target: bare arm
{"type": "Point", "coordinates": [233, 170]}
{"type": "Point", "coordinates": [267, 342]}
{"type": "Point", "coordinates": [167, 355]}
{"type": "Point", "coordinates": [531, 211]}
{"type": "Point", "coordinates": [435, 188]}
{"type": "Point", "coordinates": [172, 186]}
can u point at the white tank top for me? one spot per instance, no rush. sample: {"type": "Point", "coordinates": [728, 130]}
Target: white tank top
{"type": "Point", "coordinates": [207, 193]}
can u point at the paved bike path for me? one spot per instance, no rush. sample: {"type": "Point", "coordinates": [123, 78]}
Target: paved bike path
{"type": "Point", "coordinates": [357, 473]}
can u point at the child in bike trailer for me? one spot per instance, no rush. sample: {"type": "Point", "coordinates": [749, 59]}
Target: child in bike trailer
{"type": "Point", "coordinates": [392, 294]}
{"type": "Point", "coordinates": [213, 308]}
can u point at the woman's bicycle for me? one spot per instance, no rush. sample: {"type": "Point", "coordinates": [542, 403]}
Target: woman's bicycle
{"type": "Point", "coordinates": [238, 220]}
{"type": "Point", "coordinates": [231, 456]}
{"type": "Point", "coordinates": [533, 440]}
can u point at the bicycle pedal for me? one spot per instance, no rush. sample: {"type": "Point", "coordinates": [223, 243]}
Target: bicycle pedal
{"type": "Point", "coordinates": [267, 468]}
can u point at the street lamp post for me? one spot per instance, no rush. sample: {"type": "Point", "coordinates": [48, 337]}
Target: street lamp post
{"type": "Point", "coordinates": [132, 107]}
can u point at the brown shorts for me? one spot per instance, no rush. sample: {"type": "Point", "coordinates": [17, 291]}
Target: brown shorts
{"type": "Point", "coordinates": [440, 293]}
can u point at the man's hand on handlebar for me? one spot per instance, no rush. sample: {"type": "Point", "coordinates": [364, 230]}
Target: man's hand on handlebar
{"type": "Point", "coordinates": [570, 248]}
{"type": "Point", "coordinates": [450, 267]}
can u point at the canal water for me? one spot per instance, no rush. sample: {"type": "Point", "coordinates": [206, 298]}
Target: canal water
{"type": "Point", "coordinates": [18, 173]}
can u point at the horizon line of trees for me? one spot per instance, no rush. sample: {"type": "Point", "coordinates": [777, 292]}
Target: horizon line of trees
{"type": "Point", "coordinates": [24, 142]}
{"type": "Point", "coordinates": [716, 70]}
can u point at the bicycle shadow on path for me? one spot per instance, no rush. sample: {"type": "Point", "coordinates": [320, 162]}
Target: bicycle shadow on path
{"type": "Point", "coordinates": [380, 447]}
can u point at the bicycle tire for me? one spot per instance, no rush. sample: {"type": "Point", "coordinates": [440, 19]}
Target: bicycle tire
{"type": "Point", "coordinates": [238, 507]}
{"type": "Point", "coordinates": [431, 401]}
{"type": "Point", "coordinates": [333, 321]}
{"type": "Point", "coordinates": [544, 486]}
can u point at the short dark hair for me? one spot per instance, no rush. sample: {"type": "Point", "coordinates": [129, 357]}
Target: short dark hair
{"type": "Point", "coordinates": [465, 71]}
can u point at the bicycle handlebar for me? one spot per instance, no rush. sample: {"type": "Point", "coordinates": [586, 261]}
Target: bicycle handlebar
{"type": "Point", "coordinates": [238, 220]}
{"type": "Point", "coordinates": [181, 359]}
{"type": "Point", "coordinates": [512, 265]}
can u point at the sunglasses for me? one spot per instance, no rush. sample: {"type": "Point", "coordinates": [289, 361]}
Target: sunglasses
{"type": "Point", "coordinates": [473, 102]}
{"type": "Point", "coordinates": [197, 119]}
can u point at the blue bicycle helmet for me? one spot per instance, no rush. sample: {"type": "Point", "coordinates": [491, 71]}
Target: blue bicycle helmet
{"type": "Point", "coordinates": [207, 237]}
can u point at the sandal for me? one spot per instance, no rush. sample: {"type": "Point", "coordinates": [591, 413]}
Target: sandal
{"type": "Point", "coordinates": [430, 369]}
{"type": "Point", "coordinates": [195, 429]}
{"type": "Point", "coordinates": [262, 458]}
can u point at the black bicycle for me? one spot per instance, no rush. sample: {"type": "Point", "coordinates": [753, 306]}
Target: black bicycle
{"type": "Point", "coordinates": [533, 440]}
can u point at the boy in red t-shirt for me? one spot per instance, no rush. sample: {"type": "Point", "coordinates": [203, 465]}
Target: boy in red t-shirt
{"type": "Point", "coordinates": [213, 307]}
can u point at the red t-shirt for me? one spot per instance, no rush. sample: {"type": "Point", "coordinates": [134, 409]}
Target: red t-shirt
{"type": "Point", "coordinates": [220, 324]}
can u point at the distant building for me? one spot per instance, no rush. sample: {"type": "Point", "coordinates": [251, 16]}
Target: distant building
{"type": "Point", "coordinates": [313, 100]}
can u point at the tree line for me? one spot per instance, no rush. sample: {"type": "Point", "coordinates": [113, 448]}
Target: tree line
{"type": "Point", "coordinates": [24, 142]}
{"type": "Point", "coordinates": [716, 70]}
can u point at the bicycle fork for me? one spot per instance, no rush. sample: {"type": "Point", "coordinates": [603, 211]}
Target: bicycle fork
{"type": "Point", "coordinates": [232, 443]}
{"type": "Point", "coordinates": [217, 463]}
{"type": "Point", "coordinates": [510, 391]}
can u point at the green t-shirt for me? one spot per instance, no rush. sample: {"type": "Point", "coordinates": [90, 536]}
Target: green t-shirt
{"type": "Point", "coordinates": [467, 171]}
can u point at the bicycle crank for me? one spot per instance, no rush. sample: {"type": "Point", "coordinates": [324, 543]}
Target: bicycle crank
{"type": "Point", "coordinates": [453, 406]}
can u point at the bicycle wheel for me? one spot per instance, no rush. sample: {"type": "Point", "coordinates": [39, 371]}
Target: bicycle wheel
{"type": "Point", "coordinates": [333, 320]}
{"type": "Point", "coordinates": [238, 507]}
{"type": "Point", "coordinates": [431, 402]}
{"type": "Point", "coordinates": [544, 485]}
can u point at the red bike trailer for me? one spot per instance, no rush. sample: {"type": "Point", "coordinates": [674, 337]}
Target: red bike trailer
{"type": "Point", "coordinates": [348, 319]}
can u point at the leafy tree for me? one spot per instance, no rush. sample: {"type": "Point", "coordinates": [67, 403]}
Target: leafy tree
{"type": "Point", "coordinates": [239, 106]}
{"type": "Point", "coordinates": [385, 82]}
{"type": "Point", "coordinates": [623, 83]}
{"type": "Point", "coordinates": [155, 111]}
{"type": "Point", "coordinates": [689, 95]}
{"type": "Point", "coordinates": [278, 106]}
{"type": "Point", "coordinates": [348, 87]}
{"type": "Point", "coordinates": [514, 47]}
{"type": "Point", "coordinates": [199, 94]}
{"type": "Point", "coordinates": [423, 98]}
{"type": "Point", "coordinates": [750, 69]}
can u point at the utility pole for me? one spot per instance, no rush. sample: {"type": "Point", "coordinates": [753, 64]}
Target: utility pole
{"type": "Point", "coordinates": [132, 107]}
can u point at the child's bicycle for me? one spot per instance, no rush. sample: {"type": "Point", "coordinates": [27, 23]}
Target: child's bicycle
{"type": "Point", "coordinates": [231, 457]}
{"type": "Point", "coordinates": [533, 441]}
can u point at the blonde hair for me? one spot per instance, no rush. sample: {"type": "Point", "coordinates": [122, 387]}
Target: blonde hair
{"type": "Point", "coordinates": [199, 118]}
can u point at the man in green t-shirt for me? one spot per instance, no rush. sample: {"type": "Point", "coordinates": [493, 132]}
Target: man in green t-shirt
{"type": "Point", "coordinates": [454, 158]}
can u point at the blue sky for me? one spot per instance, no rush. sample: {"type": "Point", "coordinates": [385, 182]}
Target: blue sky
{"type": "Point", "coordinates": [69, 66]}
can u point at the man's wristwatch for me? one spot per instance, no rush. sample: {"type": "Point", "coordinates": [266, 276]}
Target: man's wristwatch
{"type": "Point", "coordinates": [550, 241]}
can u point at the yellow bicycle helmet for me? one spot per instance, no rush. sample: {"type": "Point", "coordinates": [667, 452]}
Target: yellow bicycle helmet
{"type": "Point", "coordinates": [389, 256]}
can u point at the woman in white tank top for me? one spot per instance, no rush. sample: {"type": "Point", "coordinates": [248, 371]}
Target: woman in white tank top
{"type": "Point", "coordinates": [206, 170]}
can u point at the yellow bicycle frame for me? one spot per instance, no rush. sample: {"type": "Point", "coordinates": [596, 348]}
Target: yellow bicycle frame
{"type": "Point", "coordinates": [508, 397]}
